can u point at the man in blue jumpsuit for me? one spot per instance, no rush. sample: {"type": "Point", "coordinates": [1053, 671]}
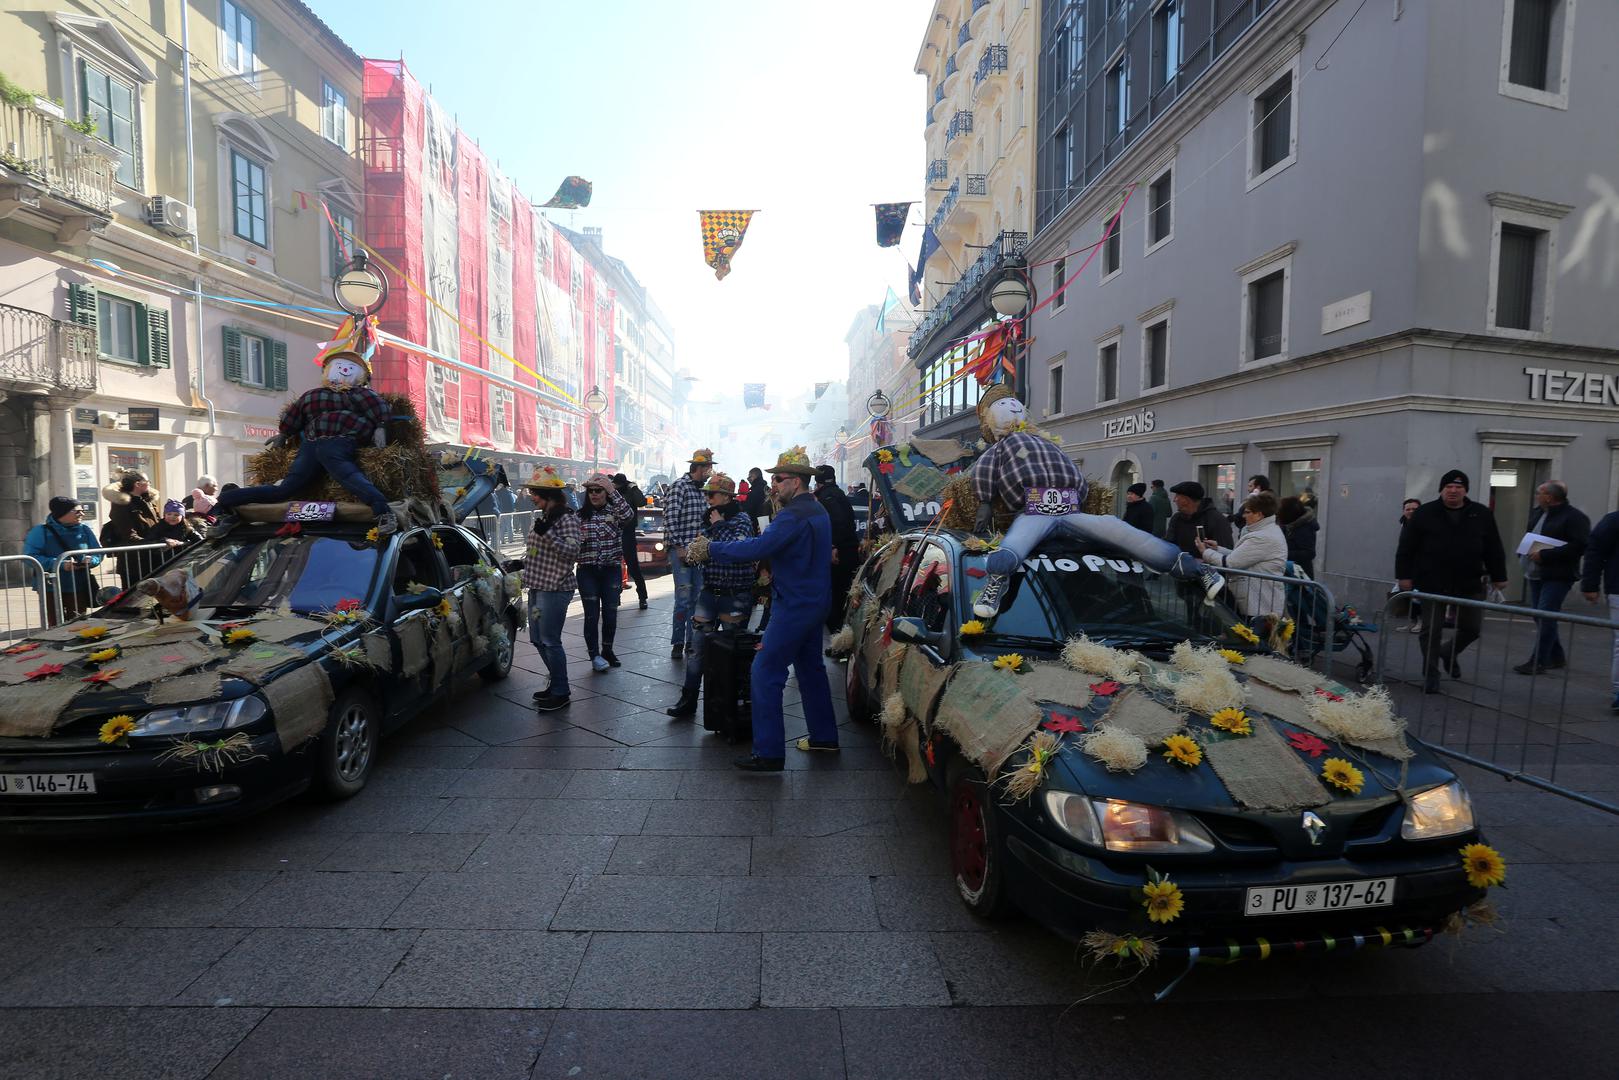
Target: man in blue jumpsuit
{"type": "Point", "coordinates": [798, 546]}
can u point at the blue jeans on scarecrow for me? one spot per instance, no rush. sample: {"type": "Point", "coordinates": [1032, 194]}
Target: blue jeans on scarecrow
{"type": "Point", "coordinates": [335, 455]}
{"type": "Point", "coordinates": [688, 583]}
{"type": "Point", "coordinates": [1029, 531]}
{"type": "Point", "coordinates": [547, 611]}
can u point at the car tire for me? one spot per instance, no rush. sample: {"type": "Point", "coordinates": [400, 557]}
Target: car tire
{"type": "Point", "coordinates": [501, 666]}
{"type": "Point", "coordinates": [348, 746]}
{"type": "Point", "coordinates": [854, 694]}
{"type": "Point", "coordinates": [977, 847]}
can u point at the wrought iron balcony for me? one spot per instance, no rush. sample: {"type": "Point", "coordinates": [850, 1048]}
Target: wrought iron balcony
{"type": "Point", "coordinates": [965, 291]}
{"type": "Point", "coordinates": [938, 169]}
{"type": "Point", "coordinates": [41, 157]}
{"type": "Point", "coordinates": [946, 204]}
{"type": "Point", "coordinates": [965, 34]}
{"type": "Point", "coordinates": [960, 124]}
{"type": "Point", "coordinates": [950, 67]}
{"type": "Point", "coordinates": [993, 62]}
{"type": "Point", "coordinates": [975, 184]}
{"type": "Point", "coordinates": [39, 354]}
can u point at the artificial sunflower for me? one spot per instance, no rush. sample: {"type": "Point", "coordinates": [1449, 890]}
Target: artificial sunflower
{"type": "Point", "coordinates": [1243, 632]}
{"type": "Point", "coordinates": [117, 729]}
{"type": "Point", "coordinates": [1484, 866]}
{"type": "Point", "coordinates": [240, 636]}
{"type": "Point", "coordinates": [885, 456]}
{"type": "Point", "coordinates": [1163, 900]}
{"type": "Point", "coordinates": [438, 541]}
{"type": "Point", "coordinates": [103, 655]}
{"type": "Point", "coordinates": [1183, 750]}
{"type": "Point", "coordinates": [1233, 720]}
{"type": "Point", "coordinates": [1009, 661]}
{"type": "Point", "coordinates": [92, 633]}
{"type": "Point", "coordinates": [460, 493]}
{"type": "Point", "coordinates": [442, 609]}
{"type": "Point", "coordinates": [1342, 775]}
{"type": "Point", "coordinates": [372, 535]}
{"type": "Point", "coordinates": [1232, 656]}
{"type": "Point", "coordinates": [971, 627]}
{"type": "Point", "coordinates": [1286, 631]}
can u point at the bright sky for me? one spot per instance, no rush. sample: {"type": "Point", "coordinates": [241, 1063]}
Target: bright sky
{"type": "Point", "coordinates": [807, 114]}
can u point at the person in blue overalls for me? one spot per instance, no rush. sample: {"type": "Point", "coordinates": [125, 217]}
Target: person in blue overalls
{"type": "Point", "coordinates": [798, 544]}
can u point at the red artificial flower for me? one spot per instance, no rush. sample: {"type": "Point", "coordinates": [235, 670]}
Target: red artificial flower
{"type": "Point", "coordinates": [976, 572]}
{"type": "Point", "coordinates": [1063, 724]}
{"type": "Point", "coordinates": [45, 671]}
{"type": "Point", "coordinates": [886, 468]}
{"type": "Point", "coordinates": [1305, 743]}
{"type": "Point", "coordinates": [26, 647]}
{"type": "Point", "coordinates": [1106, 688]}
{"type": "Point", "coordinates": [927, 752]}
{"type": "Point", "coordinates": [104, 676]}
{"type": "Point", "coordinates": [1329, 695]}
{"type": "Point", "coordinates": [291, 528]}
{"type": "Point", "coordinates": [350, 604]}
{"type": "Point", "coordinates": [233, 625]}
{"type": "Point", "coordinates": [888, 633]}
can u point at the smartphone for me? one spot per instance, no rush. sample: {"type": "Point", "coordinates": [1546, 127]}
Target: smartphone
{"type": "Point", "coordinates": [1200, 535]}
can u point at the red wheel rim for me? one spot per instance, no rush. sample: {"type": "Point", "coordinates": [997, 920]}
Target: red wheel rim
{"type": "Point", "coordinates": [969, 851]}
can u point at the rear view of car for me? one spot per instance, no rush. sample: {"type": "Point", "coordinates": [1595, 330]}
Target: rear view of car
{"type": "Point", "coordinates": [651, 549]}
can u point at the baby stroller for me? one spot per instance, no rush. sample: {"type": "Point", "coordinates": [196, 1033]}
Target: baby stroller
{"type": "Point", "coordinates": [1318, 630]}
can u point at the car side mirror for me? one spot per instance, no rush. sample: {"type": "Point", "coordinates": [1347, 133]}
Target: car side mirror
{"type": "Point", "coordinates": [512, 566]}
{"type": "Point", "coordinates": [914, 631]}
{"type": "Point", "coordinates": [418, 601]}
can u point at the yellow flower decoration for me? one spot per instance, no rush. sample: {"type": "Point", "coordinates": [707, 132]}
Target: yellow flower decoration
{"type": "Point", "coordinates": [92, 633]}
{"type": "Point", "coordinates": [101, 655]}
{"type": "Point", "coordinates": [1245, 633]}
{"type": "Point", "coordinates": [1232, 656]}
{"type": "Point", "coordinates": [1163, 900]}
{"type": "Point", "coordinates": [1484, 866]}
{"type": "Point", "coordinates": [1183, 750]}
{"type": "Point", "coordinates": [1009, 661]}
{"type": "Point", "coordinates": [239, 635]}
{"type": "Point", "coordinates": [372, 535]}
{"type": "Point", "coordinates": [460, 493]}
{"type": "Point", "coordinates": [442, 610]}
{"type": "Point", "coordinates": [885, 456]}
{"type": "Point", "coordinates": [117, 729]}
{"type": "Point", "coordinates": [438, 541]}
{"type": "Point", "coordinates": [1233, 720]}
{"type": "Point", "coordinates": [1286, 632]}
{"type": "Point", "coordinates": [971, 627]}
{"type": "Point", "coordinates": [1342, 775]}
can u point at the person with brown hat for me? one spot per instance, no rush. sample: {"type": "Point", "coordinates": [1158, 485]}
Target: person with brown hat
{"type": "Point", "coordinates": [601, 555]}
{"type": "Point", "coordinates": [726, 600]}
{"type": "Point", "coordinates": [548, 575]}
{"type": "Point", "coordinates": [798, 544]}
{"type": "Point", "coordinates": [683, 511]}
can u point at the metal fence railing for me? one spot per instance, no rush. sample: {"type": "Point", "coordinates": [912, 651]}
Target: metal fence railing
{"type": "Point", "coordinates": [1548, 725]}
{"type": "Point", "coordinates": [1309, 604]}
{"type": "Point", "coordinates": [506, 532]}
{"type": "Point", "coordinates": [25, 607]}
{"type": "Point", "coordinates": [73, 589]}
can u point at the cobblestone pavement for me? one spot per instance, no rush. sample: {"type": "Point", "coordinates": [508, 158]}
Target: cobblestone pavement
{"type": "Point", "coordinates": [597, 894]}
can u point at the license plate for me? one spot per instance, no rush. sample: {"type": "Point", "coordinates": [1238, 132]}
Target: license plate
{"type": "Point", "coordinates": [68, 783]}
{"type": "Point", "coordinates": [643, 556]}
{"type": "Point", "coordinates": [1328, 896]}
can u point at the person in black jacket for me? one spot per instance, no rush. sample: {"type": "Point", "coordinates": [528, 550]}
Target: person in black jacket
{"type": "Point", "coordinates": [1194, 511]}
{"type": "Point", "coordinates": [634, 496]}
{"type": "Point", "coordinates": [1300, 526]}
{"type": "Point", "coordinates": [756, 502]}
{"type": "Point", "coordinates": [1601, 572]}
{"type": "Point", "coordinates": [845, 542]}
{"type": "Point", "coordinates": [1137, 510]}
{"type": "Point", "coordinates": [1448, 548]}
{"type": "Point", "coordinates": [1551, 571]}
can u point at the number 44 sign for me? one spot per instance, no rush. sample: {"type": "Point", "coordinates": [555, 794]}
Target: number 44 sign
{"type": "Point", "coordinates": [310, 511]}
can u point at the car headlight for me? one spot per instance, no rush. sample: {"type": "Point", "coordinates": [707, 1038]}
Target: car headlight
{"type": "Point", "coordinates": [1073, 815]}
{"type": "Point", "coordinates": [1442, 811]}
{"type": "Point", "coordinates": [657, 547]}
{"type": "Point", "coordinates": [1126, 826]}
{"type": "Point", "coordinates": [192, 719]}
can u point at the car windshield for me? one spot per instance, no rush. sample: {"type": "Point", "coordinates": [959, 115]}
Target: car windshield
{"type": "Point", "coordinates": [306, 573]}
{"type": "Point", "coordinates": [1069, 590]}
{"type": "Point", "coordinates": [647, 521]}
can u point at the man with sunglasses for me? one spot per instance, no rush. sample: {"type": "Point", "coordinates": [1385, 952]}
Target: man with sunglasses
{"type": "Point", "coordinates": [726, 600]}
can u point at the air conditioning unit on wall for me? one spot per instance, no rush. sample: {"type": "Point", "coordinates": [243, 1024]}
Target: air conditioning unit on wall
{"type": "Point", "coordinates": [169, 215]}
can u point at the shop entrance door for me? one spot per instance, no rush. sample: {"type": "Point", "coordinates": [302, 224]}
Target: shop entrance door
{"type": "Point", "coordinates": [1512, 495]}
{"type": "Point", "coordinates": [1220, 484]}
{"type": "Point", "coordinates": [1124, 474]}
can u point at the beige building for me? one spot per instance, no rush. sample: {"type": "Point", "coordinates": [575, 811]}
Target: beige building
{"type": "Point", "coordinates": [112, 219]}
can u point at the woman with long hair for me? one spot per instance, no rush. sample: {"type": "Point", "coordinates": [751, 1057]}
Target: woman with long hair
{"type": "Point", "coordinates": [602, 516]}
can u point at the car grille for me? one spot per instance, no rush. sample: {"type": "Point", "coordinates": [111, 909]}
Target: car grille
{"type": "Point", "coordinates": [1239, 832]}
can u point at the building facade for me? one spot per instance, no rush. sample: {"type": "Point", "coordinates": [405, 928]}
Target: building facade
{"type": "Point", "coordinates": [107, 360]}
{"type": "Point", "coordinates": [1355, 252]}
{"type": "Point", "coordinates": [877, 361]}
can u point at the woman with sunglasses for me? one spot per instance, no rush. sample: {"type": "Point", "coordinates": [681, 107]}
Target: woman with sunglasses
{"type": "Point", "coordinates": [601, 517]}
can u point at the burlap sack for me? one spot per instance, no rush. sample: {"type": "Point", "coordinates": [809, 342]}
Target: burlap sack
{"type": "Point", "coordinates": [987, 714]}
{"type": "Point", "coordinates": [941, 451]}
{"type": "Point", "coordinates": [1281, 674]}
{"type": "Point", "coordinates": [155, 663]}
{"type": "Point", "coordinates": [254, 662]}
{"type": "Point", "coordinates": [184, 689]}
{"type": "Point", "coordinates": [1057, 684]}
{"type": "Point", "coordinates": [14, 669]}
{"type": "Point", "coordinates": [301, 701]}
{"type": "Point", "coordinates": [1284, 705]}
{"type": "Point", "coordinates": [921, 681]}
{"type": "Point", "coordinates": [378, 652]}
{"type": "Point", "coordinates": [443, 654]}
{"type": "Point", "coordinates": [32, 709]}
{"type": "Point", "coordinates": [1137, 711]}
{"type": "Point", "coordinates": [888, 670]}
{"type": "Point", "coordinates": [1262, 772]}
{"type": "Point", "coordinates": [873, 647]}
{"type": "Point", "coordinates": [281, 628]}
{"type": "Point", "coordinates": [412, 646]}
{"type": "Point", "coordinates": [889, 571]}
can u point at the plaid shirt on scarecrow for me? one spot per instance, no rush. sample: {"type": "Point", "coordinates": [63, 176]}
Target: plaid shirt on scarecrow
{"type": "Point", "coordinates": [325, 412]}
{"type": "Point", "coordinates": [684, 511]}
{"type": "Point", "coordinates": [1021, 461]}
{"type": "Point", "coordinates": [552, 554]}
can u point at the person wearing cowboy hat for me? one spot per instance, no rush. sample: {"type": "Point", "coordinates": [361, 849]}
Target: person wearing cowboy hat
{"type": "Point", "coordinates": [798, 544]}
{"type": "Point", "coordinates": [1027, 474]}
{"type": "Point", "coordinates": [683, 512]}
{"type": "Point", "coordinates": [726, 601]}
{"type": "Point", "coordinates": [549, 577]}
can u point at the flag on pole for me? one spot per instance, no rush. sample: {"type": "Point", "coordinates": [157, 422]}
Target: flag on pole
{"type": "Point", "coordinates": [723, 231]}
{"type": "Point", "coordinates": [930, 244]}
{"type": "Point", "coordinates": [890, 302]}
{"type": "Point", "coordinates": [572, 194]}
{"type": "Point", "coordinates": [891, 222]}
{"type": "Point", "coordinates": [916, 287]}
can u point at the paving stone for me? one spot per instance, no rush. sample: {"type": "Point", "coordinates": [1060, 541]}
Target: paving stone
{"type": "Point", "coordinates": [284, 966]}
{"type": "Point", "coordinates": [186, 899]}
{"type": "Point", "coordinates": [325, 898]}
{"type": "Point", "coordinates": [257, 846]}
{"type": "Point", "coordinates": [481, 901]}
{"type": "Point", "coordinates": [130, 966]}
{"type": "Point", "coordinates": [508, 724]}
{"type": "Point", "coordinates": [402, 851]}
{"type": "Point", "coordinates": [820, 856]}
{"type": "Point", "coordinates": [428, 756]}
{"type": "Point", "coordinates": [485, 969]}
{"type": "Point", "coordinates": [480, 816]}
{"type": "Point", "coordinates": [713, 754]}
{"type": "Point", "coordinates": [408, 1044]}
{"type": "Point", "coordinates": [783, 903]}
{"type": "Point", "coordinates": [821, 784]}
{"type": "Point", "coordinates": [560, 757]}
{"type": "Point", "coordinates": [566, 737]}
{"type": "Point", "coordinates": [707, 817]}
{"type": "Point", "coordinates": [841, 970]}
{"type": "Point", "coordinates": [783, 1044]}
{"type": "Point", "coordinates": [924, 853]}
{"type": "Point", "coordinates": [639, 728]}
{"type": "Point", "coordinates": [538, 853]}
{"type": "Point", "coordinates": [847, 759]}
{"type": "Point", "coordinates": [510, 783]}
{"type": "Point", "coordinates": [621, 784]}
{"type": "Point", "coordinates": [960, 1044]}
{"type": "Point", "coordinates": [734, 785]}
{"type": "Point", "coordinates": [834, 817]}
{"type": "Point", "coordinates": [591, 817]}
{"type": "Point", "coordinates": [923, 903]}
{"type": "Point", "coordinates": [1020, 964]}
{"type": "Point", "coordinates": [120, 1044]}
{"type": "Point", "coordinates": [399, 780]}
{"type": "Point", "coordinates": [437, 734]}
{"type": "Point", "coordinates": [668, 971]}
{"type": "Point", "coordinates": [368, 812]}
{"type": "Point", "coordinates": [681, 856]}
{"type": "Point", "coordinates": [639, 902]}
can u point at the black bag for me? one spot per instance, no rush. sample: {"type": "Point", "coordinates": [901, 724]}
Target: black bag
{"type": "Point", "coordinates": [728, 684]}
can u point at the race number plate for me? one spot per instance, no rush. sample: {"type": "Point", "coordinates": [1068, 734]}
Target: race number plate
{"type": "Point", "coordinates": [1051, 501]}
{"type": "Point", "coordinates": [1329, 896]}
{"type": "Point", "coordinates": [310, 511]}
{"type": "Point", "coordinates": [71, 783]}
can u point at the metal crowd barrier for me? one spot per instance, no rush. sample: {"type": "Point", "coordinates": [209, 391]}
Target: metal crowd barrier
{"type": "Point", "coordinates": [21, 578]}
{"type": "Point", "coordinates": [1552, 729]}
{"type": "Point", "coordinates": [506, 532]}
{"type": "Point", "coordinates": [1309, 604]}
{"type": "Point", "coordinates": [120, 567]}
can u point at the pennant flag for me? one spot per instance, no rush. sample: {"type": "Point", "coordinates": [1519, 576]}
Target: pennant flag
{"type": "Point", "coordinates": [890, 302]}
{"type": "Point", "coordinates": [573, 194]}
{"type": "Point", "coordinates": [916, 287]}
{"type": "Point", "coordinates": [891, 222]}
{"type": "Point", "coordinates": [302, 198]}
{"type": "Point", "coordinates": [722, 235]}
{"type": "Point", "coordinates": [930, 244]}
{"type": "Point", "coordinates": [753, 395]}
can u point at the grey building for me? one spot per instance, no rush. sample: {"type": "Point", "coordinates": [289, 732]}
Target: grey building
{"type": "Point", "coordinates": [1357, 250]}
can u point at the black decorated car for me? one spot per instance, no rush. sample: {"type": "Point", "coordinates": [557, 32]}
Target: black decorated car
{"type": "Point", "coordinates": [309, 645]}
{"type": "Point", "coordinates": [651, 545]}
{"type": "Point", "coordinates": [1381, 864]}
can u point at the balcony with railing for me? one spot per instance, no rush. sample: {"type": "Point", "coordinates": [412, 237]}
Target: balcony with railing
{"type": "Point", "coordinates": [938, 170]}
{"type": "Point", "coordinates": [47, 166]}
{"type": "Point", "coordinates": [960, 124]}
{"type": "Point", "coordinates": [963, 293]}
{"type": "Point", "coordinates": [41, 355]}
{"type": "Point", "coordinates": [946, 204]}
{"type": "Point", "coordinates": [992, 63]}
{"type": "Point", "coordinates": [965, 34]}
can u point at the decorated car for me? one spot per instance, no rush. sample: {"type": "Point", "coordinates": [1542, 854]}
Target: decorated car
{"type": "Point", "coordinates": [1127, 761]}
{"type": "Point", "coordinates": [651, 546]}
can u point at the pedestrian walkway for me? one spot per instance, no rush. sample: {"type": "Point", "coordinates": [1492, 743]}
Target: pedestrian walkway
{"type": "Point", "coordinates": [595, 893]}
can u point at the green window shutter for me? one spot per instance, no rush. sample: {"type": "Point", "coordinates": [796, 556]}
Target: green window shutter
{"type": "Point", "coordinates": [157, 331]}
{"type": "Point", "coordinates": [143, 336]}
{"type": "Point", "coordinates": [277, 375]}
{"type": "Point", "coordinates": [233, 354]}
{"type": "Point", "coordinates": [81, 304]}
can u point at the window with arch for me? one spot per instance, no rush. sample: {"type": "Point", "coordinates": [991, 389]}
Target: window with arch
{"type": "Point", "coordinates": [248, 155]}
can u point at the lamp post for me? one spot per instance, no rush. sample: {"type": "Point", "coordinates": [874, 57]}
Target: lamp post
{"type": "Point", "coordinates": [595, 404]}
{"type": "Point", "coordinates": [843, 453]}
{"type": "Point", "coordinates": [360, 288]}
{"type": "Point", "coordinates": [1011, 295]}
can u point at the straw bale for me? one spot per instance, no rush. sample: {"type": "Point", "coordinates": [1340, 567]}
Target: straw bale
{"type": "Point", "coordinates": [1262, 772]}
{"type": "Point", "coordinates": [301, 701]}
{"type": "Point", "coordinates": [963, 512]}
{"type": "Point", "coordinates": [32, 709]}
{"type": "Point", "coordinates": [399, 471]}
{"type": "Point", "coordinates": [202, 686]}
{"type": "Point", "coordinates": [987, 714]}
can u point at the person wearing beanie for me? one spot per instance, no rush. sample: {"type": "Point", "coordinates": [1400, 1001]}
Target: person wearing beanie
{"type": "Point", "coordinates": [683, 513]}
{"type": "Point", "coordinates": [1137, 510]}
{"type": "Point", "coordinates": [726, 601]}
{"type": "Point", "coordinates": [50, 544]}
{"type": "Point", "coordinates": [1161, 508]}
{"type": "Point", "coordinates": [174, 529]}
{"type": "Point", "coordinates": [845, 542]}
{"type": "Point", "coordinates": [1449, 548]}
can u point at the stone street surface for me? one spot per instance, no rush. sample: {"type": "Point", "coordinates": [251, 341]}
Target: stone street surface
{"type": "Point", "coordinates": [596, 893]}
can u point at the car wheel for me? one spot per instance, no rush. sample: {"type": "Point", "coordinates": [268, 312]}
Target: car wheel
{"type": "Point", "coordinates": [501, 666]}
{"type": "Point", "coordinates": [977, 849]}
{"type": "Point", "coordinates": [348, 747]}
{"type": "Point", "coordinates": [854, 694]}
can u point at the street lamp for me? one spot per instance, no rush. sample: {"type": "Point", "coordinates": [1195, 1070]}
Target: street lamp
{"type": "Point", "coordinates": [360, 288]}
{"type": "Point", "coordinates": [595, 403]}
{"type": "Point", "coordinates": [1011, 294]}
{"type": "Point", "coordinates": [843, 452]}
{"type": "Point", "coordinates": [878, 405]}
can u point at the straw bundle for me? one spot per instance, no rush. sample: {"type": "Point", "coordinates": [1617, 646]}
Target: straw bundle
{"type": "Point", "coordinates": [402, 469]}
{"type": "Point", "coordinates": [963, 512]}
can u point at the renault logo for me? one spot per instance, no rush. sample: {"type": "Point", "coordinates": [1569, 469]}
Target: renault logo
{"type": "Point", "coordinates": [1312, 824]}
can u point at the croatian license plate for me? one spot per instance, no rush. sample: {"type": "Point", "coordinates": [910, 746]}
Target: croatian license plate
{"type": "Point", "coordinates": [68, 783]}
{"type": "Point", "coordinates": [643, 556]}
{"type": "Point", "coordinates": [1328, 896]}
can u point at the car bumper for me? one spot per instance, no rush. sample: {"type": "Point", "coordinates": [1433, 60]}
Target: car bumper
{"type": "Point", "coordinates": [135, 791]}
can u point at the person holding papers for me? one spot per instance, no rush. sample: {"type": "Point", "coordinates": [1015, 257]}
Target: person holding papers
{"type": "Point", "coordinates": [1550, 552]}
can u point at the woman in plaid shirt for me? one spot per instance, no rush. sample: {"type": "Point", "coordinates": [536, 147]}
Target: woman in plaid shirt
{"type": "Point", "coordinates": [726, 601]}
{"type": "Point", "coordinates": [601, 519]}
{"type": "Point", "coordinates": [553, 547]}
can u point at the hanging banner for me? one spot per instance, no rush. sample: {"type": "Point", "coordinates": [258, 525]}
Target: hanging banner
{"type": "Point", "coordinates": [891, 222]}
{"type": "Point", "coordinates": [723, 231]}
{"type": "Point", "coordinates": [573, 194]}
{"type": "Point", "coordinates": [441, 255]}
{"type": "Point", "coordinates": [916, 286]}
{"type": "Point", "coordinates": [753, 395]}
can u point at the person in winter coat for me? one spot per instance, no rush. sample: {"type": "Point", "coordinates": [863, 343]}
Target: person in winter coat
{"type": "Point", "coordinates": [601, 553]}
{"type": "Point", "coordinates": [757, 504]}
{"type": "Point", "coordinates": [1551, 572]}
{"type": "Point", "coordinates": [845, 542]}
{"type": "Point", "coordinates": [1301, 528]}
{"type": "Point", "coordinates": [1161, 508]}
{"type": "Point", "coordinates": [202, 497]}
{"type": "Point", "coordinates": [1448, 548]}
{"type": "Point", "coordinates": [1137, 510]}
{"type": "Point", "coordinates": [133, 511]}
{"type": "Point", "coordinates": [726, 601]}
{"type": "Point", "coordinates": [635, 499]}
{"type": "Point", "coordinates": [1194, 511]}
{"type": "Point", "coordinates": [50, 543]}
{"type": "Point", "coordinates": [1601, 575]}
{"type": "Point", "coordinates": [548, 575]}
{"type": "Point", "coordinates": [174, 529]}
{"type": "Point", "coordinates": [1261, 548]}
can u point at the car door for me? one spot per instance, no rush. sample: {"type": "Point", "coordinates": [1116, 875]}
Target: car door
{"type": "Point", "coordinates": [462, 555]}
{"type": "Point", "coordinates": [930, 595]}
{"type": "Point", "coordinates": [416, 565]}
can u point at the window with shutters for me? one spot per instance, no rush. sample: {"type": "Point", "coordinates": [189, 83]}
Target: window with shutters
{"type": "Point", "coordinates": [1160, 209]}
{"type": "Point", "coordinates": [114, 107]}
{"type": "Point", "coordinates": [1537, 45]}
{"type": "Point", "coordinates": [250, 196]}
{"type": "Point", "coordinates": [1107, 370]}
{"type": "Point", "coordinates": [127, 330]}
{"type": "Point", "coordinates": [1273, 130]}
{"type": "Point", "coordinates": [254, 360]}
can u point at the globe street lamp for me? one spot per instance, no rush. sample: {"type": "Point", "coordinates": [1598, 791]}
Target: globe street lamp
{"type": "Point", "coordinates": [360, 288]}
{"type": "Point", "coordinates": [1011, 295]}
{"type": "Point", "coordinates": [595, 404]}
{"type": "Point", "coordinates": [878, 405]}
{"type": "Point", "coordinates": [843, 452]}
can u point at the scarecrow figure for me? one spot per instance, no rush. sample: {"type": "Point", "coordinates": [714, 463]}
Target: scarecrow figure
{"type": "Point", "coordinates": [331, 422]}
{"type": "Point", "coordinates": [1025, 473]}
